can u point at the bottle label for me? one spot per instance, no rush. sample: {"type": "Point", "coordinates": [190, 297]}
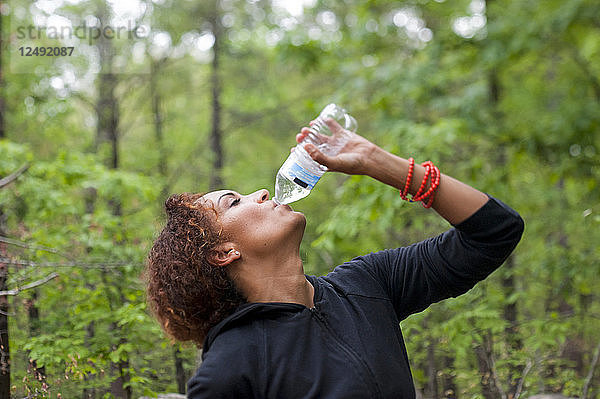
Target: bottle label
{"type": "Point", "coordinates": [301, 176]}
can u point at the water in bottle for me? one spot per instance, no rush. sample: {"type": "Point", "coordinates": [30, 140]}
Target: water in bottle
{"type": "Point", "coordinates": [299, 173]}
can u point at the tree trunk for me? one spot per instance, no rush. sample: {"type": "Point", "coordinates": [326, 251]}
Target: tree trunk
{"type": "Point", "coordinates": [107, 142]}
{"type": "Point", "coordinates": [108, 119]}
{"type": "Point", "coordinates": [431, 371]}
{"type": "Point", "coordinates": [90, 196]}
{"type": "Point", "coordinates": [179, 371]}
{"type": "Point", "coordinates": [449, 388]}
{"type": "Point", "coordinates": [485, 360]}
{"type": "Point", "coordinates": [216, 180]}
{"type": "Point", "coordinates": [484, 352]}
{"type": "Point", "coordinates": [39, 373]}
{"type": "Point", "coordinates": [429, 364]}
{"type": "Point", "coordinates": [512, 337]}
{"type": "Point", "coordinates": [107, 106]}
{"type": "Point", "coordinates": [575, 347]}
{"type": "Point", "coordinates": [4, 305]}
{"type": "Point", "coordinates": [2, 102]}
{"type": "Point", "coordinates": [118, 386]}
{"type": "Point", "coordinates": [510, 311]}
{"type": "Point", "coordinates": [158, 126]}
{"type": "Point", "coordinates": [89, 393]}
{"type": "Point", "coordinates": [4, 346]}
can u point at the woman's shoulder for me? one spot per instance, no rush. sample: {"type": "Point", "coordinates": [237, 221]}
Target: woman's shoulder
{"type": "Point", "coordinates": [229, 358]}
{"type": "Point", "coordinates": [234, 331]}
{"type": "Point", "coordinates": [355, 277]}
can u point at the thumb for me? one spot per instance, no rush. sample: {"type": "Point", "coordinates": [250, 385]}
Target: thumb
{"type": "Point", "coordinates": [318, 156]}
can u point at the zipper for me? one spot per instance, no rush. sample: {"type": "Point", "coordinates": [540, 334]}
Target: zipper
{"type": "Point", "coordinates": [351, 353]}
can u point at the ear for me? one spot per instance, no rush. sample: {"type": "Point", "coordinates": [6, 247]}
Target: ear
{"type": "Point", "coordinates": [223, 254]}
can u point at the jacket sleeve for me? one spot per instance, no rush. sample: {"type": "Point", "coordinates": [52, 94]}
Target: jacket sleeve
{"type": "Point", "coordinates": [445, 266]}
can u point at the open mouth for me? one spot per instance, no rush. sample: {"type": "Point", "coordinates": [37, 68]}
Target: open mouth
{"type": "Point", "coordinates": [277, 205]}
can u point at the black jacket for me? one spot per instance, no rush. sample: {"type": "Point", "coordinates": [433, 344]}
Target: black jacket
{"type": "Point", "coordinates": [350, 345]}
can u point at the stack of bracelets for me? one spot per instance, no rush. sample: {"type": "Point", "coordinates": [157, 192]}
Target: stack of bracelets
{"type": "Point", "coordinates": [431, 171]}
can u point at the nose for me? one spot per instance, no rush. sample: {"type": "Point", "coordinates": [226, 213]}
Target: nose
{"type": "Point", "coordinates": [261, 196]}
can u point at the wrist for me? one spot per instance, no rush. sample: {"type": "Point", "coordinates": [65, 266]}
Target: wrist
{"type": "Point", "coordinates": [385, 166]}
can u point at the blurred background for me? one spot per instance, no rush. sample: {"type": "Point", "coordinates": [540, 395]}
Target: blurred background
{"type": "Point", "coordinates": [132, 100]}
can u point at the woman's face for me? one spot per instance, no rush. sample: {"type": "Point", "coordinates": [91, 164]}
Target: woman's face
{"type": "Point", "coordinates": [255, 223]}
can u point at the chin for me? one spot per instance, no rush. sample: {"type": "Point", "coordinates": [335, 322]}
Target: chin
{"type": "Point", "coordinates": [302, 221]}
{"type": "Point", "coordinates": [298, 229]}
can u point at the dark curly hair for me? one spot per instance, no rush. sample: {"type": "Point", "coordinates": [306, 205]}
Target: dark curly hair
{"type": "Point", "coordinates": [185, 292]}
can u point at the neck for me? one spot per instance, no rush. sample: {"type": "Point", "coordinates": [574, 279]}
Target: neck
{"type": "Point", "coordinates": [273, 280]}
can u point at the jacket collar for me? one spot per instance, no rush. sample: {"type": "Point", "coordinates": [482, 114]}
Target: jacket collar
{"type": "Point", "coordinates": [250, 311]}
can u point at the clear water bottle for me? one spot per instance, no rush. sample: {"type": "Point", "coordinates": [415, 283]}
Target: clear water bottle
{"type": "Point", "coordinates": [299, 173]}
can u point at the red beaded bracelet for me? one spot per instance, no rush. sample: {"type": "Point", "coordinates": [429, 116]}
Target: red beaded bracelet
{"type": "Point", "coordinates": [427, 198]}
{"type": "Point", "coordinates": [411, 168]}
{"type": "Point", "coordinates": [417, 196]}
{"type": "Point", "coordinates": [430, 167]}
{"type": "Point", "coordinates": [431, 171]}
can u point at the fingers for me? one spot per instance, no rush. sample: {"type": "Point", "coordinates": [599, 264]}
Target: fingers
{"type": "Point", "coordinates": [302, 135]}
{"type": "Point", "coordinates": [318, 156]}
{"type": "Point", "coordinates": [334, 126]}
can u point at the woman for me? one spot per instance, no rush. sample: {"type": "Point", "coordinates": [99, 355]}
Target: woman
{"type": "Point", "coordinates": [226, 273]}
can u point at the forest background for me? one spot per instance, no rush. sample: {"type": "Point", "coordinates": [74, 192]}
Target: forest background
{"type": "Point", "coordinates": [197, 95]}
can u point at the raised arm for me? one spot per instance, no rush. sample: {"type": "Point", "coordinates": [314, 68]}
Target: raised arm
{"type": "Point", "coordinates": [486, 232]}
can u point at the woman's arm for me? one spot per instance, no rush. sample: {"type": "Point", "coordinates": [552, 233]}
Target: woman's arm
{"type": "Point", "coordinates": [486, 232]}
{"type": "Point", "coordinates": [454, 200]}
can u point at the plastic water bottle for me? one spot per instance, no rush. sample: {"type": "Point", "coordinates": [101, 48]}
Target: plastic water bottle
{"type": "Point", "coordinates": [299, 173]}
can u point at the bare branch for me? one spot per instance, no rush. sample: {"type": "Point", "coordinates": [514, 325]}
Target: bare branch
{"type": "Point", "coordinates": [588, 379]}
{"type": "Point", "coordinates": [22, 244]}
{"type": "Point", "coordinates": [495, 377]}
{"type": "Point", "coordinates": [13, 176]}
{"type": "Point", "coordinates": [522, 379]}
{"type": "Point", "coordinates": [30, 285]}
{"type": "Point", "coordinates": [90, 265]}
{"type": "Point", "coordinates": [83, 99]}
{"type": "Point", "coordinates": [7, 313]}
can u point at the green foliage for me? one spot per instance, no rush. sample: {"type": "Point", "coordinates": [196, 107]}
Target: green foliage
{"type": "Point", "coordinates": [532, 140]}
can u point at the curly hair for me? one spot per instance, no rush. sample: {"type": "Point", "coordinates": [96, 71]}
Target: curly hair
{"type": "Point", "coordinates": [185, 292]}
